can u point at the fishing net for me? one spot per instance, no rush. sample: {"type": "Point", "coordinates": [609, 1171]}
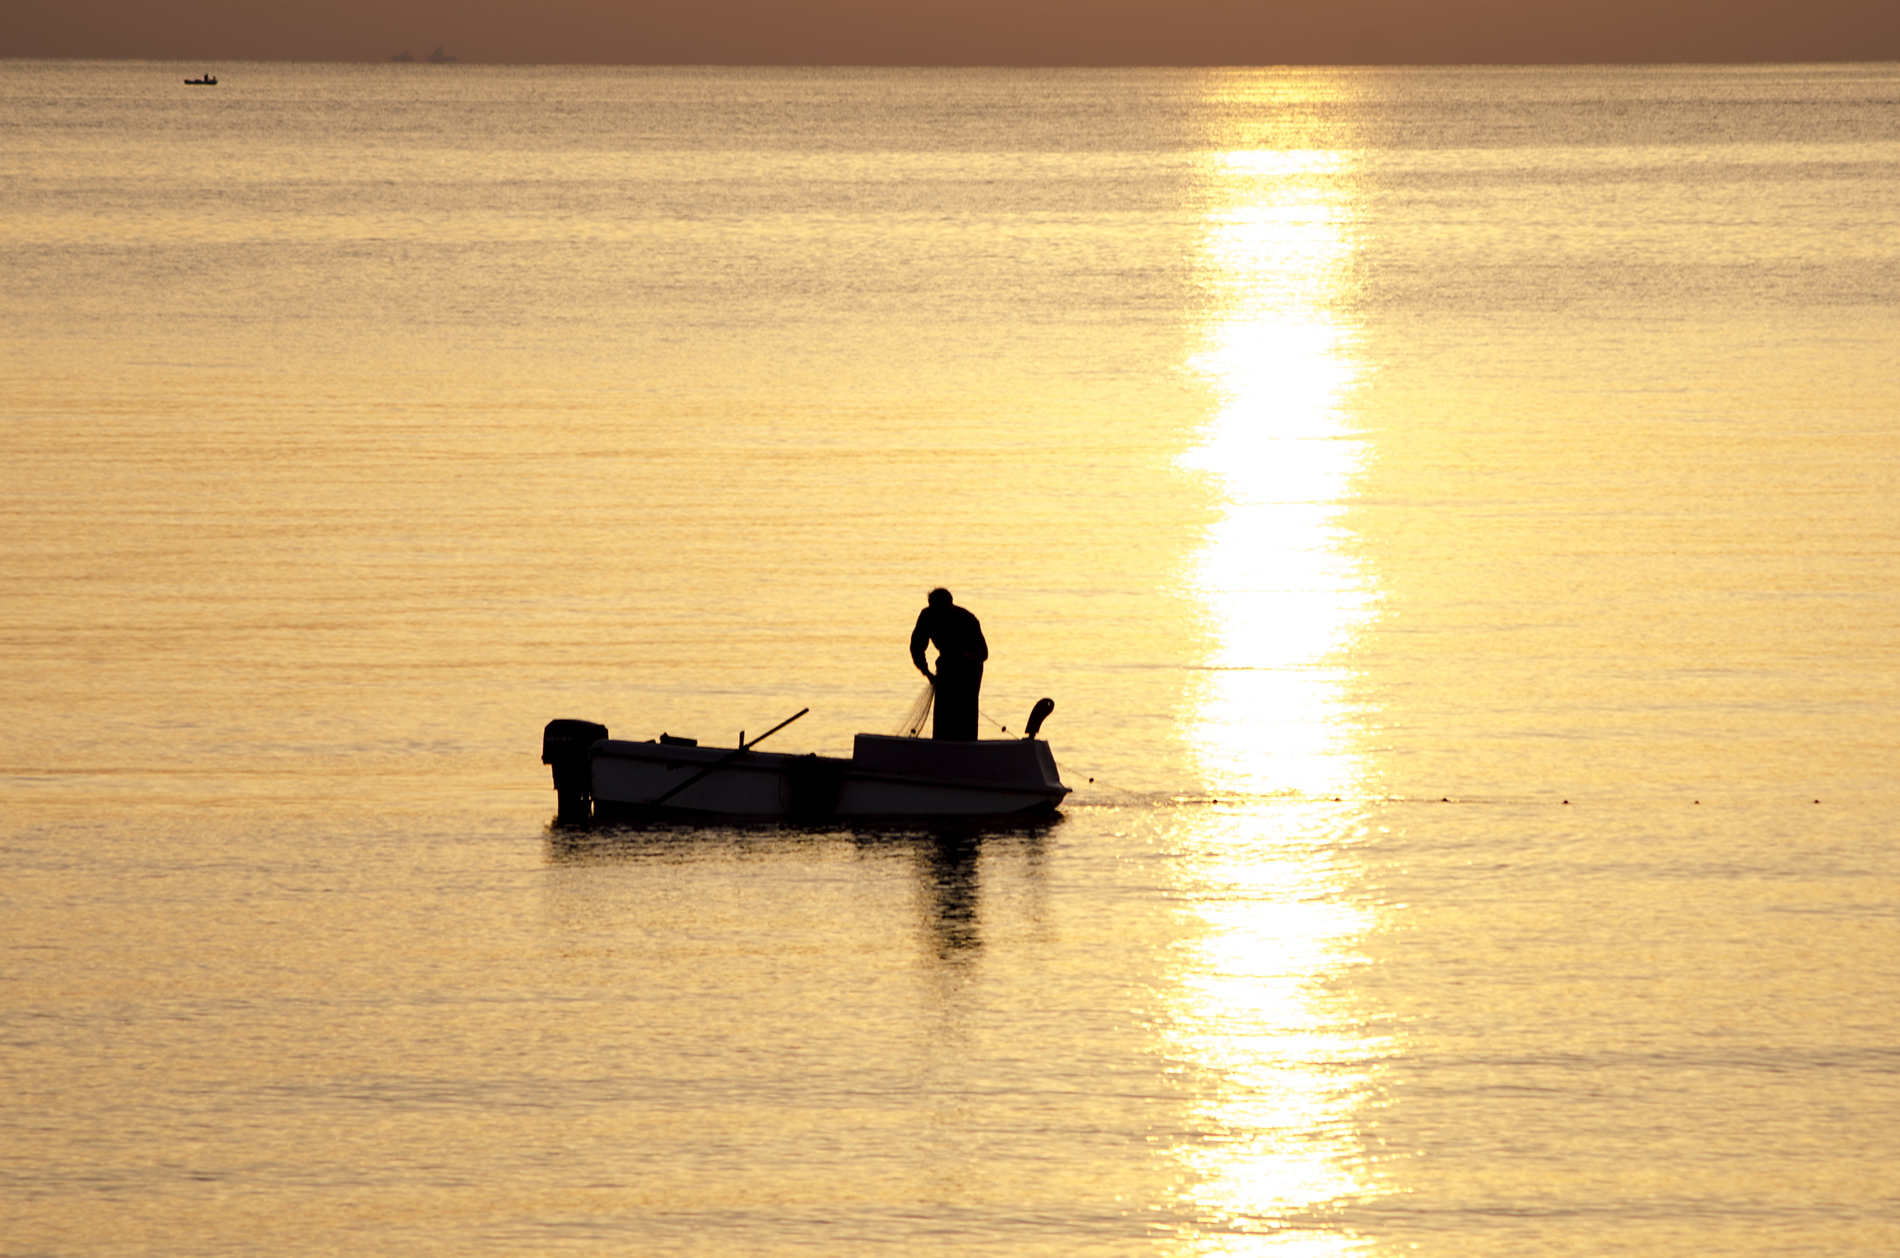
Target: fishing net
{"type": "Point", "coordinates": [919, 713]}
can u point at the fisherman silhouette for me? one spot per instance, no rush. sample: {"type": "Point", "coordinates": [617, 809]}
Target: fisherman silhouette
{"type": "Point", "coordinates": [960, 655]}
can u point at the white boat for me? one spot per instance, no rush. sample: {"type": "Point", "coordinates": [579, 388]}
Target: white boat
{"type": "Point", "coordinates": [886, 778]}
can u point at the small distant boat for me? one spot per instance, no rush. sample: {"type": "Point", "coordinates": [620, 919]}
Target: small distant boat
{"type": "Point", "coordinates": [209, 80]}
{"type": "Point", "coordinates": [886, 778]}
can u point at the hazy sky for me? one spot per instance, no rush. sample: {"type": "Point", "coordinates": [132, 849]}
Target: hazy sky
{"type": "Point", "coordinates": [986, 32]}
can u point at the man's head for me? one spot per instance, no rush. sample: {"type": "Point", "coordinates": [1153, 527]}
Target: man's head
{"type": "Point", "coordinates": [940, 597]}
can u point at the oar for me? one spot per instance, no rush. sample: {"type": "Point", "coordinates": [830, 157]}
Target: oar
{"type": "Point", "coordinates": [727, 759]}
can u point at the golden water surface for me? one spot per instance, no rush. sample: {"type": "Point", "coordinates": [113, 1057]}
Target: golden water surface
{"type": "Point", "coordinates": [1452, 510]}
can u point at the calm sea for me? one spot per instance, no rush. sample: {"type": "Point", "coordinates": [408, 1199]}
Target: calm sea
{"type": "Point", "coordinates": [1456, 513]}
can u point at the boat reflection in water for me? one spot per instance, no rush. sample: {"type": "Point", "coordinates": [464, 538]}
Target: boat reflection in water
{"type": "Point", "coordinates": [944, 858]}
{"type": "Point", "coordinates": [1263, 1004]}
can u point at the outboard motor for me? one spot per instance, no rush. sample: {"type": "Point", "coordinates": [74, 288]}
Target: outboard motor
{"type": "Point", "coordinates": [1037, 715]}
{"type": "Point", "coordinates": [566, 745]}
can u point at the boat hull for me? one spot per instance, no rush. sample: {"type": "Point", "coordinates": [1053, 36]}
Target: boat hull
{"type": "Point", "coordinates": [885, 778]}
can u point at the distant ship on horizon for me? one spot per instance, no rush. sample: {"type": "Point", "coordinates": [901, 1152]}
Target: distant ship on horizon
{"type": "Point", "coordinates": [436, 58]}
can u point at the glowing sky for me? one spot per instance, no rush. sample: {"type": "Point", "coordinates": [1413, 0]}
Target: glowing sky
{"type": "Point", "coordinates": [982, 32]}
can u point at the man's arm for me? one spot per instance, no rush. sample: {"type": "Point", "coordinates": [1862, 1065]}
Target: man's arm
{"type": "Point", "coordinates": [919, 639]}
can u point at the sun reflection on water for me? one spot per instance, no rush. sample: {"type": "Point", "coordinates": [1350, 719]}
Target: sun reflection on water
{"type": "Point", "coordinates": [1280, 596]}
{"type": "Point", "coordinates": [1265, 1008]}
{"type": "Point", "coordinates": [1265, 1012]}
